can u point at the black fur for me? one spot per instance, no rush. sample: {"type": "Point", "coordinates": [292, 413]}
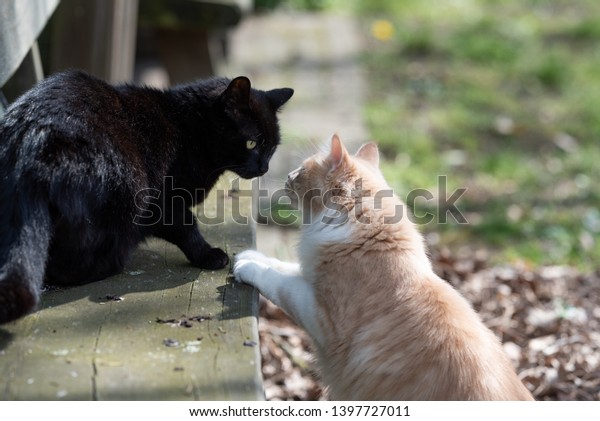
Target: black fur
{"type": "Point", "coordinates": [75, 153]}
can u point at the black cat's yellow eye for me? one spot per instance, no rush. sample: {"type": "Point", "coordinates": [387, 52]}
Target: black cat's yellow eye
{"type": "Point", "coordinates": [250, 144]}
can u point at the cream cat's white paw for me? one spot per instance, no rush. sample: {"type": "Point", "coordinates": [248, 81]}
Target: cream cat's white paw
{"type": "Point", "coordinates": [282, 283]}
{"type": "Point", "coordinates": [248, 270]}
{"type": "Point", "coordinates": [276, 264]}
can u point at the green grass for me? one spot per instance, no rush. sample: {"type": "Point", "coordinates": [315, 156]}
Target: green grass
{"type": "Point", "coordinates": [504, 99]}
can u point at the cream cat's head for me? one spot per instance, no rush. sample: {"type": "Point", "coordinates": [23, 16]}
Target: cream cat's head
{"type": "Point", "coordinates": [333, 182]}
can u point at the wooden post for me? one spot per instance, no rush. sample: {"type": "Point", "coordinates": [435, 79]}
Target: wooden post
{"type": "Point", "coordinates": [28, 74]}
{"type": "Point", "coordinates": [186, 53]}
{"type": "Point", "coordinates": [190, 33]}
{"type": "Point", "coordinates": [97, 36]}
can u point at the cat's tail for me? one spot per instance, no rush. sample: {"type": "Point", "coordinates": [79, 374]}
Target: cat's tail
{"type": "Point", "coordinates": [25, 231]}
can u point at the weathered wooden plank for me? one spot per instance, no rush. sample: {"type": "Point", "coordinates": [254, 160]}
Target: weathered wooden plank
{"type": "Point", "coordinates": [162, 330]}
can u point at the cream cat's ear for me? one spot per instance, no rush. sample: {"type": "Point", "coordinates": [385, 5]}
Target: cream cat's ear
{"type": "Point", "coordinates": [370, 153]}
{"type": "Point", "coordinates": [337, 153]}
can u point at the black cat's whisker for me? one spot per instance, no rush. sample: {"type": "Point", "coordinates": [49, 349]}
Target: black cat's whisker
{"type": "Point", "coordinates": [298, 154]}
{"type": "Point", "coordinates": [317, 144]}
{"type": "Point", "coordinates": [220, 170]}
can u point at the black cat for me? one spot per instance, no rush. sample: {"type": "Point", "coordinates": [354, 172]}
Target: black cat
{"type": "Point", "coordinates": [76, 151]}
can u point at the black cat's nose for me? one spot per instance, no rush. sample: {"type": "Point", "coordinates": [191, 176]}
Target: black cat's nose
{"type": "Point", "coordinates": [264, 167]}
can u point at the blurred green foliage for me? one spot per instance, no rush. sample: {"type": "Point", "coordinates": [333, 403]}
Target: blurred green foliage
{"type": "Point", "coordinates": [504, 99]}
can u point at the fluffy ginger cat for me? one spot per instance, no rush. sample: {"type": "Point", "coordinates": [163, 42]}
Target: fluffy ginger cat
{"type": "Point", "coordinates": [385, 327]}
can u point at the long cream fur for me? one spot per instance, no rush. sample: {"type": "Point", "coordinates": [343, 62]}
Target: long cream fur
{"type": "Point", "coordinates": [385, 326]}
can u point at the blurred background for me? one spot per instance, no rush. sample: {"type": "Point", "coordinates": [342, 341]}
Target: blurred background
{"type": "Point", "coordinates": [502, 98]}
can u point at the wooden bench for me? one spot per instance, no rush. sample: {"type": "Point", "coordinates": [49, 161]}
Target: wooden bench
{"type": "Point", "coordinates": [161, 330]}
{"type": "Point", "coordinates": [188, 36]}
{"type": "Point", "coordinates": [100, 37]}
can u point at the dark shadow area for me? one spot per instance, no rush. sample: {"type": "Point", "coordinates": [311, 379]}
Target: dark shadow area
{"type": "Point", "coordinates": [5, 338]}
{"type": "Point", "coordinates": [147, 271]}
{"type": "Point", "coordinates": [239, 300]}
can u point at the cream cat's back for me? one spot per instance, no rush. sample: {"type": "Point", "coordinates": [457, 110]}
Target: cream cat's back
{"type": "Point", "coordinates": [400, 333]}
{"type": "Point", "coordinates": [394, 329]}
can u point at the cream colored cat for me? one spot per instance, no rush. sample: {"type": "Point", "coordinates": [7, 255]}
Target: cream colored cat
{"type": "Point", "coordinates": [385, 326]}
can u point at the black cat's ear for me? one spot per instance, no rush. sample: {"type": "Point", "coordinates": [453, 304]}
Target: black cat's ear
{"type": "Point", "coordinates": [278, 97]}
{"type": "Point", "coordinates": [238, 92]}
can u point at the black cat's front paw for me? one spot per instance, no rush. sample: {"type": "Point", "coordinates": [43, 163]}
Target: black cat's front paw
{"type": "Point", "coordinates": [214, 258]}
